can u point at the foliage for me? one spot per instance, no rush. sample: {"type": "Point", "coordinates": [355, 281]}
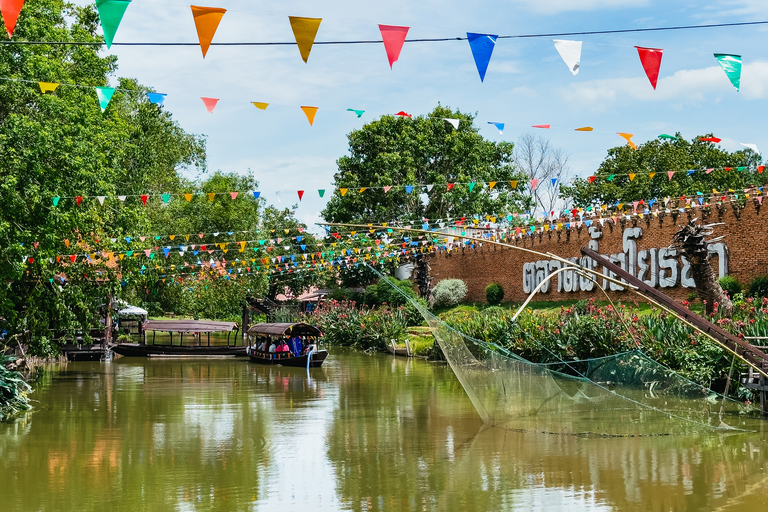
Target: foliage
{"type": "Point", "coordinates": [342, 323]}
{"type": "Point", "coordinates": [449, 292]}
{"type": "Point", "coordinates": [13, 390]}
{"type": "Point", "coordinates": [660, 157]}
{"type": "Point", "coordinates": [494, 294]}
{"type": "Point", "coordinates": [731, 285]}
{"type": "Point", "coordinates": [397, 151]}
{"type": "Point", "coordinates": [391, 291]}
{"type": "Point", "coordinates": [758, 288]}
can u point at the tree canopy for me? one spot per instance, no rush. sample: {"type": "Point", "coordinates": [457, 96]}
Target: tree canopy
{"type": "Point", "coordinates": [630, 175]}
{"type": "Point", "coordinates": [420, 151]}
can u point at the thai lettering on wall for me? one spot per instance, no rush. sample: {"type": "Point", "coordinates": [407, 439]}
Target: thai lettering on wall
{"type": "Point", "coordinates": [660, 268]}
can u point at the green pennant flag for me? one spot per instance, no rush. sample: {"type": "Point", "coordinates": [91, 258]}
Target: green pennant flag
{"type": "Point", "coordinates": [321, 192]}
{"type": "Point", "coordinates": [166, 197]}
{"type": "Point", "coordinates": [56, 201]}
{"type": "Point", "coordinates": [471, 186]}
{"type": "Point", "coordinates": [610, 178]}
{"type": "Point", "coordinates": [667, 136]}
{"type": "Point", "coordinates": [111, 13]}
{"type": "Point", "coordinates": [731, 64]}
{"type": "Point", "coordinates": [105, 95]}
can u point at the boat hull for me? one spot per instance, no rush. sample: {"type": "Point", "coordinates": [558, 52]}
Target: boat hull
{"type": "Point", "coordinates": [288, 360]}
{"type": "Point", "coordinates": [139, 350]}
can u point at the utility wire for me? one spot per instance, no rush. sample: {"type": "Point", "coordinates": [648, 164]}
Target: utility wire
{"type": "Point", "coordinates": [423, 40]}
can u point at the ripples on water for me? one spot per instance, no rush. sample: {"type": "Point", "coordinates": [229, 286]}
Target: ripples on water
{"type": "Point", "coordinates": [362, 433]}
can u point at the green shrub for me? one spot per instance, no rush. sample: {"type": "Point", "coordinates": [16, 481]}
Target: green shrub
{"type": "Point", "coordinates": [731, 285]}
{"type": "Point", "coordinates": [494, 294]}
{"type": "Point", "coordinates": [449, 292]}
{"type": "Point", "coordinates": [758, 287]}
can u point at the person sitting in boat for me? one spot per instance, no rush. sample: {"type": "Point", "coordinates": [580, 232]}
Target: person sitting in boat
{"type": "Point", "coordinates": [263, 346]}
{"type": "Point", "coordinates": [283, 347]}
{"type": "Point", "coordinates": [272, 348]}
{"type": "Point", "coordinates": [295, 345]}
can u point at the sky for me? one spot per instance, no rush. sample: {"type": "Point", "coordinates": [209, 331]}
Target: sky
{"type": "Point", "coordinates": [527, 83]}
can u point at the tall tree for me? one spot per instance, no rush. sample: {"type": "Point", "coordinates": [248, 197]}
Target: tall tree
{"type": "Point", "coordinates": [547, 167]}
{"type": "Point", "coordinates": [630, 175]}
{"type": "Point", "coordinates": [419, 151]}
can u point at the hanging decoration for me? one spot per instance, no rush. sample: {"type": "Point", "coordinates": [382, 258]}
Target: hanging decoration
{"type": "Point", "coordinates": [210, 103]}
{"type": "Point", "coordinates": [650, 58]}
{"type": "Point", "coordinates": [207, 20]}
{"type": "Point", "coordinates": [304, 30]}
{"type": "Point", "coordinates": [570, 51]}
{"type": "Point", "coordinates": [499, 126]}
{"type": "Point", "coordinates": [156, 97]}
{"type": "Point", "coordinates": [10, 10]}
{"type": "Point", "coordinates": [482, 47]}
{"type": "Point", "coordinates": [358, 113]}
{"type": "Point", "coordinates": [47, 86]}
{"type": "Point", "coordinates": [310, 113]}
{"type": "Point", "coordinates": [111, 14]}
{"type": "Point", "coordinates": [393, 38]}
{"type": "Point", "coordinates": [731, 64]}
{"type": "Point", "coordinates": [628, 138]}
{"type": "Point", "coordinates": [105, 95]}
{"type": "Point", "coordinates": [260, 105]}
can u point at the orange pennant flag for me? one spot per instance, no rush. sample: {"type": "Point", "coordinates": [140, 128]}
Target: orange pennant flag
{"type": "Point", "coordinates": [210, 103]}
{"type": "Point", "coordinates": [343, 191]}
{"type": "Point", "coordinates": [584, 129]}
{"type": "Point", "coordinates": [188, 197]}
{"type": "Point", "coordinates": [47, 86]}
{"type": "Point", "coordinates": [260, 105]}
{"type": "Point", "coordinates": [310, 113]}
{"type": "Point", "coordinates": [206, 22]}
{"type": "Point", "coordinates": [491, 184]}
{"type": "Point", "coordinates": [628, 137]}
{"type": "Point", "coordinates": [211, 195]}
{"type": "Point", "coordinates": [10, 10]}
{"type": "Point", "coordinates": [304, 30]}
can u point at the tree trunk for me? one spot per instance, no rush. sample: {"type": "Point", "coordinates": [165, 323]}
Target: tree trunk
{"type": "Point", "coordinates": [691, 241]}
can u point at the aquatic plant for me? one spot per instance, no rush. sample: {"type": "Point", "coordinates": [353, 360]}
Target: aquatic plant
{"type": "Point", "coordinates": [13, 389]}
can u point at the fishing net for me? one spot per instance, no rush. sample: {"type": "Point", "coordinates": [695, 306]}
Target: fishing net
{"type": "Point", "coordinates": [626, 394]}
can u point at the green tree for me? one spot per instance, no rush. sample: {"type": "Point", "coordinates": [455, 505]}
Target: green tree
{"type": "Point", "coordinates": [419, 151]}
{"type": "Point", "coordinates": [612, 181]}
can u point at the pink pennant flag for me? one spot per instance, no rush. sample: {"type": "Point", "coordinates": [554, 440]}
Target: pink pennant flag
{"type": "Point", "coordinates": [650, 58]}
{"type": "Point", "coordinates": [386, 188]}
{"type": "Point", "coordinates": [670, 174]}
{"type": "Point", "coordinates": [393, 37]}
{"type": "Point", "coordinates": [147, 251]}
{"type": "Point", "coordinates": [534, 183]}
{"type": "Point", "coordinates": [709, 170]}
{"type": "Point", "coordinates": [545, 126]}
{"type": "Point", "coordinates": [233, 195]}
{"type": "Point", "coordinates": [210, 103]}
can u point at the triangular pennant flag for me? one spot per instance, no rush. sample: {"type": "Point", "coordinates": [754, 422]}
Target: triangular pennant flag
{"type": "Point", "coordinates": [343, 191]}
{"type": "Point", "coordinates": [362, 189]}
{"type": "Point", "coordinates": [166, 197]}
{"type": "Point", "coordinates": [56, 201]}
{"type": "Point", "coordinates": [105, 95]}
{"type": "Point", "coordinates": [156, 97]}
{"type": "Point", "coordinates": [393, 38]}
{"type": "Point", "coordinates": [651, 175]}
{"type": "Point", "coordinates": [358, 113]}
{"type": "Point", "coordinates": [188, 197]}
{"type": "Point", "coordinates": [491, 184]}
{"type": "Point", "coordinates": [544, 126]}
{"type": "Point", "coordinates": [591, 179]}
{"type": "Point", "coordinates": [260, 105]}
{"type": "Point", "coordinates": [301, 194]}
{"type": "Point", "coordinates": [211, 195]}
{"type": "Point", "coordinates": [554, 182]}
{"type": "Point", "coordinates": [753, 147]}
{"type": "Point", "coordinates": [584, 129]}
{"type": "Point", "coordinates": [304, 30]}
{"type": "Point", "coordinates": [628, 137]}
{"type": "Point", "coordinates": [310, 113]}
{"type": "Point", "coordinates": [47, 86]}
{"type": "Point", "coordinates": [667, 136]}
{"type": "Point", "coordinates": [450, 185]}
{"type": "Point", "coordinates": [386, 188]}
{"type": "Point", "coordinates": [10, 10]}
{"type": "Point", "coordinates": [513, 183]}
{"type": "Point", "coordinates": [650, 58]}
{"type": "Point", "coordinates": [632, 176]}
{"type": "Point", "coordinates": [408, 189]}
{"type": "Point", "coordinates": [210, 103]}
{"type": "Point", "coordinates": [110, 14]}
{"type": "Point", "coordinates": [534, 183]}
{"type": "Point", "coordinates": [233, 195]}
{"type": "Point", "coordinates": [482, 47]}
{"type": "Point", "coordinates": [454, 122]}
{"type": "Point", "coordinates": [499, 126]}
{"type": "Point", "coordinates": [78, 200]}
{"type": "Point", "coordinates": [101, 199]}
{"type": "Point", "coordinates": [122, 198]}
{"type": "Point", "coordinates": [471, 186]}
{"type": "Point", "coordinates": [731, 64]}
{"type": "Point", "coordinates": [256, 194]}
{"type": "Point", "coordinates": [144, 198]}
{"type": "Point", "coordinates": [570, 51]}
{"type": "Point", "coordinates": [206, 22]}
{"type": "Point", "coordinates": [321, 192]}
{"type": "Point", "coordinates": [429, 188]}
{"type": "Point", "coordinates": [670, 174]}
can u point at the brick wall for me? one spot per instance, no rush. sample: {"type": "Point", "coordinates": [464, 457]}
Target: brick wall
{"type": "Point", "coordinates": [746, 238]}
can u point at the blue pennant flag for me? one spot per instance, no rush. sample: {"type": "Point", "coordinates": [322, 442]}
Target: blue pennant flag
{"type": "Point", "coordinates": [482, 47]}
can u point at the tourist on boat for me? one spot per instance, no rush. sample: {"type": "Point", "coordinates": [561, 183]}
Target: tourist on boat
{"type": "Point", "coordinates": [283, 346]}
{"type": "Point", "coordinates": [263, 346]}
{"type": "Point", "coordinates": [295, 345]}
{"type": "Point", "coordinates": [273, 348]}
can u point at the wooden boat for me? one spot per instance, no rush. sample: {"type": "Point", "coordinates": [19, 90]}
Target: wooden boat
{"type": "Point", "coordinates": [90, 352]}
{"type": "Point", "coordinates": [308, 356]}
{"type": "Point", "coordinates": [195, 328]}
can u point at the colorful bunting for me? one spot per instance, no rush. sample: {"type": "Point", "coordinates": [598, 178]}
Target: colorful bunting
{"type": "Point", "coordinates": [56, 201]}
{"type": "Point", "coordinates": [156, 97]}
{"type": "Point", "coordinates": [670, 174]}
{"type": "Point", "coordinates": [233, 195]}
{"type": "Point", "coordinates": [408, 189]}
{"type": "Point", "coordinates": [386, 188]}
{"type": "Point", "coordinates": [499, 126]}
{"type": "Point", "coordinates": [393, 38]}
{"type": "Point", "coordinates": [358, 113]}
{"type": "Point", "coordinates": [513, 183]}
{"type": "Point", "coordinates": [105, 95]}
{"type": "Point", "coordinates": [301, 194]}
{"type": "Point", "coordinates": [667, 136]}
{"type": "Point", "coordinates": [110, 14]}
{"type": "Point", "coordinates": [453, 122]}
{"type": "Point", "coordinates": [10, 10]}
{"type": "Point", "coordinates": [570, 51]}
{"type": "Point", "coordinates": [206, 22]}
{"type": "Point", "coordinates": [310, 113]}
{"type": "Point", "coordinates": [343, 191]}
{"type": "Point", "coordinates": [628, 137]}
{"type": "Point", "coordinates": [710, 139]}
{"type": "Point", "coordinates": [257, 194]}
{"type": "Point", "coordinates": [46, 86]}
{"type": "Point", "coordinates": [260, 105]}
{"type": "Point", "coordinates": [731, 64]}
{"type": "Point", "coordinates": [482, 47]}
{"type": "Point", "coordinates": [304, 30]}
{"type": "Point", "coordinates": [210, 103]}
{"type": "Point", "coordinates": [211, 196]}
{"type": "Point", "coordinates": [534, 184]}
{"type": "Point", "coordinates": [650, 58]}
{"type": "Point", "coordinates": [403, 113]}
{"type": "Point", "coordinates": [321, 192]}
{"type": "Point", "coordinates": [544, 126]}
{"type": "Point", "coordinates": [584, 129]}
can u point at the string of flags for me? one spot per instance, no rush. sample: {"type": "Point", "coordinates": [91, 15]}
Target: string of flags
{"type": "Point", "coordinates": [305, 29]}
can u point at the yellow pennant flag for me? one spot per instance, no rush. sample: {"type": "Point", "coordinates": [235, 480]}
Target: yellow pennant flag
{"type": "Point", "coordinates": [632, 176]}
{"type": "Point", "coordinates": [242, 246]}
{"type": "Point", "coordinates": [342, 191]}
{"type": "Point", "coordinates": [491, 184]}
{"type": "Point", "coordinates": [121, 256]}
{"type": "Point", "coordinates": [651, 175]}
{"type": "Point", "coordinates": [211, 195]}
{"type": "Point", "coordinates": [47, 86]}
{"type": "Point", "coordinates": [584, 129]}
{"type": "Point", "coordinates": [628, 137]}
{"type": "Point", "coordinates": [188, 197]}
{"type": "Point", "coordinates": [260, 105]}
{"type": "Point", "coordinates": [171, 236]}
{"type": "Point", "coordinates": [363, 190]}
{"type": "Point", "coordinates": [304, 30]}
{"type": "Point", "coordinates": [513, 183]}
{"type": "Point", "coordinates": [310, 113]}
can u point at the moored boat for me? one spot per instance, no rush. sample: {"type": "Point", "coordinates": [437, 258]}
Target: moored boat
{"type": "Point", "coordinates": [298, 339]}
{"type": "Point", "coordinates": [194, 329]}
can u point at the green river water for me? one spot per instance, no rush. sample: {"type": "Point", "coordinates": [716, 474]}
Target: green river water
{"type": "Point", "coordinates": [364, 432]}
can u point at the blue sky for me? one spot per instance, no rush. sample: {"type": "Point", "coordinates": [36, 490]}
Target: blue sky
{"type": "Point", "coordinates": [527, 82]}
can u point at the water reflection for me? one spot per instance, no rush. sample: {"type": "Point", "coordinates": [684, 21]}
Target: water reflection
{"type": "Point", "coordinates": [363, 433]}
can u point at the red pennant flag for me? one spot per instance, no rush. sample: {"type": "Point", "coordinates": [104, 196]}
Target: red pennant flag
{"type": "Point", "coordinates": [592, 178]}
{"type": "Point", "coordinates": [301, 194]}
{"type": "Point", "coordinates": [393, 38]}
{"type": "Point", "coordinates": [210, 103]}
{"type": "Point", "coordinates": [144, 198]}
{"type": "Point", "coordinates": [650, 58]}
{"type": "Point", "coordinates": [78, 200]}
{"type": "Point", "coordinates": [403, 113]}
{"type": "Point", "coordinates": [72, 257]}
{"type": "Point", "coordinates": [710, 139]}
{"type": "Point", "coordinates": [760, 169]}
{"type": "Point", "coordinates": [10, 10]}
{"type": "Point", "coordinates": [450, 186]}
{"type": "Point", "coordinates": [545, 126]}
{"type": "Point", "coordinates": [233, 195]}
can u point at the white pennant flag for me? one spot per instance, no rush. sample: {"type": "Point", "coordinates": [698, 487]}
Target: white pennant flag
{"type": "Point", "coordinates": [570, 51]}
{"type": "Point", "coordinates": [753, 147]}
{"type": "Point", "coordinates": [121, 198]}
{"type": "Point", "coordinates": [101, 199]}
{"type": "Point", "coordinates": [454, 122]}
{"type": "Point", "coordinates": [429, 188]}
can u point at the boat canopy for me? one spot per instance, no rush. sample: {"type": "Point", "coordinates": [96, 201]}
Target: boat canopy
{"type": "Point", "coordinates": [189, 326]}
{"type": "Point", "coordinates": [286, 329]}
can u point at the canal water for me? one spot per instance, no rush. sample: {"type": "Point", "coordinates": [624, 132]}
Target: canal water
{"type": "Point", "coordinates": [362, 433]}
